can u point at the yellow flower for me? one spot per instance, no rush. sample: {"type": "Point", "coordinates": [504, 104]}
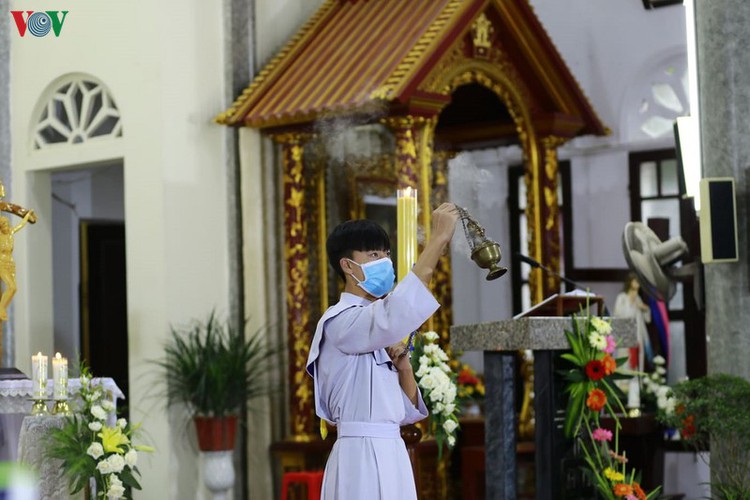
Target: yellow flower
{"type": "Point", "coordinates": [613, 475]}
{"type": "Point", "coordinates": [112, 439]}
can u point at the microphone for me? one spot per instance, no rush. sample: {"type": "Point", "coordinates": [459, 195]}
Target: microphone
{"type": "Point", "coordinates": [534, 263]}
{"type": "Point", "coordinates": [528, 260]}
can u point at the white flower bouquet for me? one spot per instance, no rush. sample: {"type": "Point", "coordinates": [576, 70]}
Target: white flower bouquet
{"type": "Point", "coordinates": [90, 448]}
{"type": "Point", "coordinates": [438, 384]}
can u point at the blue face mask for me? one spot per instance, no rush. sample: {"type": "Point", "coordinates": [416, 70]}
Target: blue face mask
{"type": "Point", "coordinates": [379, 276]}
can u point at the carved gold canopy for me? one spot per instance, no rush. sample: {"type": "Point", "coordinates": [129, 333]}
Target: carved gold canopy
{"type": "Point", "coordinates": [442, 76]}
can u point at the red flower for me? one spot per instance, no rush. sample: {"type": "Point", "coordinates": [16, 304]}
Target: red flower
{"type": "Point", "coordinates": [688, 427]}
{"type": "Point", "coordinates": [596, 400]}
{"type": "Point", "coordinates": [610, 365]}
{"type": "Point", "coordinates": [638, 491]}
{"type": "Point", "coordinates": [595, 369]}
{"type": "Point", "coordinates": [465, 377]}
{"type": "Point", "coordinates": [622, 489]}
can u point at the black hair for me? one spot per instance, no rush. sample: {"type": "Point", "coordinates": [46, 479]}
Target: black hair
{"type": "Point", "coordinates": [359, 234]}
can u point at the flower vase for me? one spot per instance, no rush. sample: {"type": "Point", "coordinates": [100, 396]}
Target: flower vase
{"type": "Point", "coordinates": [218, 473]}
{"type": "Point", "coordinates": [216, 437]}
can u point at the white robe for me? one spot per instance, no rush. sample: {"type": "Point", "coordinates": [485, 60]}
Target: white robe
{"type": "Point", "coordinates": [357, 386]}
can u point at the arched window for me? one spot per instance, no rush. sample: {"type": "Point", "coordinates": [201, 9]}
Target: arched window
{"type": "Point", "coordinates": [660, 96]}
{"type": "Point", "coordinates": [78, 109]}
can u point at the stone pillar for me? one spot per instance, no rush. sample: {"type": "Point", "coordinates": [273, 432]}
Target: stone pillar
{"type": "Point", "coordinates": [299, 324]}
{"type": "Point", "coordinates": [724, 90]}
{"type": "Point", "coordinates": [724, 93]}
{"type": "Point", "coordinates": [7, 344]}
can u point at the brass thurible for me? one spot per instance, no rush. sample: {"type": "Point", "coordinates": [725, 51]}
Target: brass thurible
{"type": "Point", "coordinates": [484, 251]}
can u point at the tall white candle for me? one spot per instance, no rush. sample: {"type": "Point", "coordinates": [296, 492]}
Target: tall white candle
{"type": "Point", "coordinates": [39, 376]}
{"type": "Point", "coordinates": [634, 393]}
{"type": "Point", "coordinates": [406, 226]}
{"type": "Point", "coordinates": [60, 377]}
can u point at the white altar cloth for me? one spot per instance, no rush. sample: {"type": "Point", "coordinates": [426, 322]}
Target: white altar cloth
{"type": "Point", "coordinates": [15, 395]}
{"type": "Point", "coordinates": [15, 404]}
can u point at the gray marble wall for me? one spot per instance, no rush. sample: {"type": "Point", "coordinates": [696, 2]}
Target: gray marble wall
{"type": "Point", "coordinates": [7, 335]}
{"type": "Point", "coordinates": [724, 86]}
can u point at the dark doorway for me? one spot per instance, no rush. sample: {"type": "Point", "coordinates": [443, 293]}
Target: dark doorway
{"type": "Point", "coordinates": [104, 321]}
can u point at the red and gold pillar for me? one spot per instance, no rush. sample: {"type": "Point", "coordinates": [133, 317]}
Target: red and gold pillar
{"type": "Point", "coordinates": [299, 326]}
{"type": "Point", "coordinates": [543, 217]}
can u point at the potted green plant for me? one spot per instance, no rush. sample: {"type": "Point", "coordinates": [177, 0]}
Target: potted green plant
{"type": "Point", "coordinates": [713, 412]}
{"type": "Point", "coordinates": [212, 368]}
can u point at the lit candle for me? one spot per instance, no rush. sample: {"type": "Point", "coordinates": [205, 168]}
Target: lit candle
{"type": "Point", "coordinates": [39, 376]}
{"type": "Point", "coordinates": [60, 377]}
{"type": "Point", "coordinates": [406, 213]}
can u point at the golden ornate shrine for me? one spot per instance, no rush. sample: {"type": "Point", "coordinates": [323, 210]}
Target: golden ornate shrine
{"type": "Point", "coordinates": [429, 78]}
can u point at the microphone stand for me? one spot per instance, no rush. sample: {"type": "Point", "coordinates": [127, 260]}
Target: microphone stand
{"type": "Point", "coordinates": [535, 263]}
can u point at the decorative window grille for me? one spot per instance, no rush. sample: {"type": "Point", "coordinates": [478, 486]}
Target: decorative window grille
{"type": "Point", "coordinates": [77, 111]}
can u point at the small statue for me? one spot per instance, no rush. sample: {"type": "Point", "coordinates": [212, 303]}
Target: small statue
{"type": "Point", "coordinates": [7, 264]}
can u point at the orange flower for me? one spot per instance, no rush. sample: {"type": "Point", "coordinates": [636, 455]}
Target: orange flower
{"type": "Point", "coordinates": [688, 427]}
{"type": "Point", "coordinates": [622, 490]}
{"type": "Point", "coordinates": [638, 491]}
{"type": "Point", "coordinates": [596, 400]}
{"type": "Point", "coordinates": [610, 365]}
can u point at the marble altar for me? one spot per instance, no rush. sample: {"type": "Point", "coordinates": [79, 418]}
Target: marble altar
{"type": "Point", "coordinates": [501, 341]}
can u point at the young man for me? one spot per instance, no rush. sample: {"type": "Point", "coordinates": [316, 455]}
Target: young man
{"type": "Point", "coordinates": [364, 384]}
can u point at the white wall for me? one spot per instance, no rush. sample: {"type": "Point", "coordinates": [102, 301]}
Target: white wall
{"type": "Point", "coordinates": [163, 63]}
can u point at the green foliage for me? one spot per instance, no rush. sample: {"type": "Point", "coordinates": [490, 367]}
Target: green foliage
{"type": "Point", "coordinates": [592, 392]}
{"type": "Point", "coordinates": [213, 368]}
{"type": "Point", "coordinates": [69, 444]}
{"type": "Point", "coordinates": [715, 410]}
{"type": "Point", "coordinates": [91, 449]}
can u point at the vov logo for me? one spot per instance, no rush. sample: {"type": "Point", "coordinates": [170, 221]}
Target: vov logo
{"type": "Point", "coordinates": [39, 23]}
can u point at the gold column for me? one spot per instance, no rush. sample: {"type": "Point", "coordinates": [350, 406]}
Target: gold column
{"type": "Point", "coordinates": [299, 326]}
{"type": "Point", "coordinates": [414, 143]}
{"type": "Point", "coordinates": [542, 215]}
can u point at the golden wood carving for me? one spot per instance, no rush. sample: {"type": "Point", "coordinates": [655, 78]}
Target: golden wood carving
{"type": "Point", "coordinates": [299, 323]}
{"type": "Point", "coordinates": [425, 140]}
{"type": "Point", "coordinates": [406, 150]}
{"type": "Point", "coordinates": [498, 74]}
{"type": "Point", "coordinates": [374, 175]}
{"type": "Point", "coordinates": [551, 213]}
{"type": "Point", "coordinates": [483, 33]}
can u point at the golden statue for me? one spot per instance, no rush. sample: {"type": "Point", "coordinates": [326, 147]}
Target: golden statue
{"type": "Point", "coordinates": [7, 264]}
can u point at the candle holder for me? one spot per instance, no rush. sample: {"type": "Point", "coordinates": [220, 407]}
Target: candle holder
{"type": "Point", "coordinates": [61, 408]}
{"type": "Point", "coordinates": [39, 408]}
